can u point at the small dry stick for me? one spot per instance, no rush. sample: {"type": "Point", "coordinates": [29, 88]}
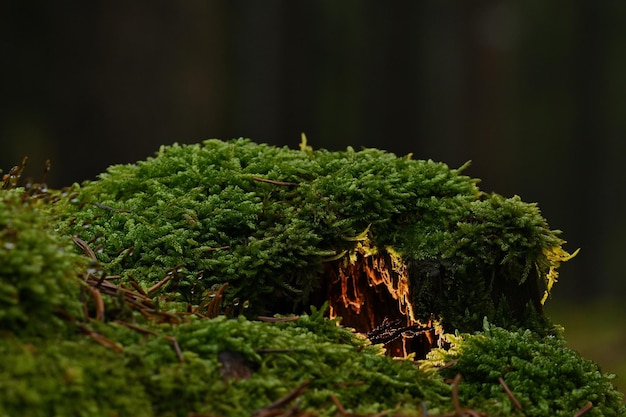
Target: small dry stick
{"type": "Point", "coordinates": [97, 297]}
{"type": "Point", "coordinates": [102, 340]}
{"type": "Point", "coordinates": [449, 364]}
{"type": "Point", "coordinates": [509, 393]}
{"type": "Point", "coordinates": [275, 350]}
{"type": "Point", "coordinates": [287, 184]}
{"type": "Point", "coordinates": [277, 319]}
{"type": "Point", "coordinates": [100, 281]}
{"type": "Point", "coordinates": [138, 287]}
{"type": "Point", "coordinates": [455, 395]}
{"type": "Point", "coordinates": [213, 309]}
{"type": "Point", "coordinates": [284, 400]}
{"type": "Point", "coordinates": [84, 247]}
{"type": "Point", "coordinates": [160, 283]}
{"type": "Point", "coordinates": [584, 409]}
{"type": "Point", "coordinates": [216, 249]}
{"type": "Point", "coordinates": [174, 342]}
{"type": "Point", "coordinates": [340, 408]}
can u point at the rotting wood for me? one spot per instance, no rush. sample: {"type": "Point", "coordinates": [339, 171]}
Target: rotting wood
{"type": "Point", "coordinates": [370, 292]}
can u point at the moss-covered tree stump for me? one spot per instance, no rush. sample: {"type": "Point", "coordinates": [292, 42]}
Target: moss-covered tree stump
{"type": "Point", "coordinates": [211, 278]}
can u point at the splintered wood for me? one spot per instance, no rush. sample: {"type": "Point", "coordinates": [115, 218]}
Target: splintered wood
{"type": "Point", "coordinates": [370, 291]}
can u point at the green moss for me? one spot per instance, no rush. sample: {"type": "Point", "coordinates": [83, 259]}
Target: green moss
{"type": "Point", "coordinates": [547, 378]}
{"type": "Point", "coordinates": [39, 270]}
{"type": "Point", "coordinates": [147, 378]}
{"type": "Point", "coordinates": [267, 221]}
{"type": "Point", "coordinates": [207, 212]}
{"type": "Point", "coordinates": [333, 360]}
{"type": "Point", "coordinates": [73, 377]}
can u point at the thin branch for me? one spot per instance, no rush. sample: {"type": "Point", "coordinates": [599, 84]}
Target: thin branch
{"type": "Point", "coordinates": [455, 395]}
{"type": "Point", "coordinates": [584, 409]}
{"type": "Point", "coordinates": [283, 401]}
{"type": "Point", "coordinates": [340, 408]}
{"type": "Point", "coordinates": [97, 297]}
{"type": "Point", "coordinates": [179, 353]}
{"type": "Point", "coordinates": [277, 319]}
{"type": "Point", "coordinates": [283, 183]}
{"type": "Point", "coordinates": [509, 393]}
{"type": "Point", "coordinates": [216, 249]}
{"type": "Point", "coordinates": [138, 287]}
{"type": "Point", "coordinates": [290, 350]}
{"type": "Point", "coordinates": [160, 283]}
{"type": "Point", "coordinates": [101, 339]}
{"type": "Point", "coordinates": [213, 309]}
{"type": "Point", "coordinates": [84, 247]}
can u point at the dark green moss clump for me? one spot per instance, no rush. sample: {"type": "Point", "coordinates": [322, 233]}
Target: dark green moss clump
{"type": "Point", "coordinates": [129, 320]}
{"type": "Point", "coordinates": [546, 378]}
{"type": "Point", "coordinates": [266, 220]}
{"type": "Point", "coordinates": [144, 376]}
{"type": "Point", "coordinates": [39, 284]}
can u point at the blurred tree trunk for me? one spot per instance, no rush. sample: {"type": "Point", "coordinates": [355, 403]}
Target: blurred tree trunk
{"type": "Point", "coordinates": [532, 93]}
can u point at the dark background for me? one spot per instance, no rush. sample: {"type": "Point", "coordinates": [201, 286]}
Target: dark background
{"type": "Point", "coordinates": [533, 92]}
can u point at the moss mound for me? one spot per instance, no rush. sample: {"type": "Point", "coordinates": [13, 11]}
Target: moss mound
{"type": "Point", "coordinates": [266, 220]}
{"type": "Point", "coordinates": [543, 377]}
{"type": "Point", "coordinates": [155, 310]}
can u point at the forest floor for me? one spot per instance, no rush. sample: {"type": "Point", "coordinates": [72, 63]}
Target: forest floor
{"type": "Point", "coordinates": [597, 330]}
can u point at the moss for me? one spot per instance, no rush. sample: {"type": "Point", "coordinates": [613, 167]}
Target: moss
{"type": "Point", "coordinates": [138, 327]}
{"type": "Point", "coordinates": [546, 378]}
{"type": "Point", "coordinates": [39, 270]}
{"type": "Point", "coordinates": [267, 219]}
{"type": "Point", "coordinates": [71, 377]}
{"type": "Point", "coordinates": [145, 377]}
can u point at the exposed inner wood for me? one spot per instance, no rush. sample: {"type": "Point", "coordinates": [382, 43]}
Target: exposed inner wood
{"type": "Point", "coordinates": [371, 293]}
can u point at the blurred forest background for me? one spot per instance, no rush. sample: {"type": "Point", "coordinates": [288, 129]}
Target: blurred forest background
{"type": "Point", "coordinates": [533, 93]}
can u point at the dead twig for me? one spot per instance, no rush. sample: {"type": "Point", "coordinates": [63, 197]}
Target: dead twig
{"type": "Point", "coordinates": [509, 393]}
{"type": "Point", "coordinates": [277, 319]}
{"type": "Point", "coordinates": [179, 353]}
{"type": "Point", "coordinates": [216, 249]}
{"type": "Point", "coordinates": [135, 327]}
{"type": "Point", "coordinates": [84, 246]}
{"type": "Point", "coordinates": [349, 384]}
{"type": "Point", "coordinates": [138, 287]}
{"type": "Point", "coordinates": [97, 297]}
{"type": "Point", "coordinates": [448, 364]}
{"type": "Point", "coordinates": [276, 405]}
{"type": "Point", "coordinates": [458, 411]}
{"type": "Point", "coordinates": [455, 395]}
{"type": "Point", "coordinates": [340, 408]}
{"type": "Point", "coordinates": [101, 339]}
{"type": "Point", "coordinates": [213, 309]}
{"type": "Point", "coordinates": [283, 183]}
{"type": "Point", "coordinates": [112, 277]}
{"type": "Point", "coordinates": [275, 350]}
{"type": "Point", "coordinates": [160, 283]}
{"type": "Point", "coordinates": [102, 278]}
{"type": "Point", "coordinates": [584, 409]}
